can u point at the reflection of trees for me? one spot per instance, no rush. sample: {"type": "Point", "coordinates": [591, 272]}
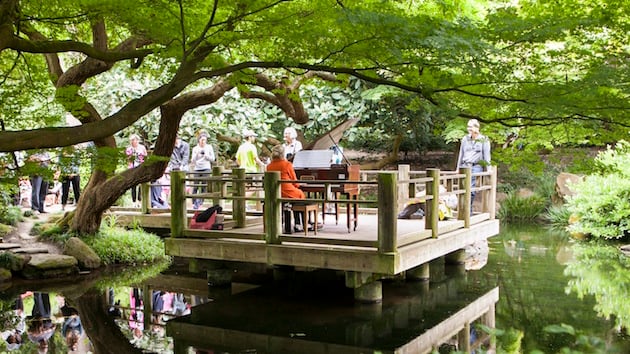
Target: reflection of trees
{"type": "Point", "coordinates": [103, 331]}
{"type": "Point", "coordinates": [532, 283]}
{"type": "Point", "coordinates": [88, 294]}
{"type": "Point", "coordinates": [604, 272]}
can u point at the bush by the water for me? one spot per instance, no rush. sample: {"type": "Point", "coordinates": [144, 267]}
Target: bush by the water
{"type": "Point", "coordinates": [113, 244]}
{"type": "Point", "coordinates": [516, 208]}
{"type": "Point", "coordinates": [116, 245]}
{"type": "Point", "coordinates": [557, 217]}
{"type": "Point", "coordinates": [601, 204]}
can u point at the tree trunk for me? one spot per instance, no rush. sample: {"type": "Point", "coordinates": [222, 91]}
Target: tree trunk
{"type": "Point", "coordinates": [392, 157]}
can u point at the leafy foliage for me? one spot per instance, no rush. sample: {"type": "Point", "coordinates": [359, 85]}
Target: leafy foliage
{"type": "Point", "coordinates": [517, 208]}
{"type": "Point", "coordinates": [115, 245]}
{"type": "Point", "coordinates": [538, 75]}
{"type": "Point", "coordinates": [602, 271]}
{"type": "Point", "coordinates": [601, 205]}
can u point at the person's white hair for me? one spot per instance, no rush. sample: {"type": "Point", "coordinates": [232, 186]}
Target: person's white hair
{"type": "Point", "coordinates": [473, 123]}
{"type": "Point", "coordinates": [292, 132]}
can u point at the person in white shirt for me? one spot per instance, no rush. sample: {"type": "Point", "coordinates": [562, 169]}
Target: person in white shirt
{"type": "Point", "coordinates": [291, 144]}
{"type": "Point", "coordinates": [202, 156]}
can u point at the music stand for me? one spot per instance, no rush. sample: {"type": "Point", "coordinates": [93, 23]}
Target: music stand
{"type": "Point", "coordinates": [312, 159]}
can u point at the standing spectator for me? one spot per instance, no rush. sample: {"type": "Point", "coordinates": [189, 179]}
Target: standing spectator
{"type": "Point", "coordinates": [202, 156]}
{"type": "Point", "coordinates": [13, 336]}
{"type": "Point", "coordinates": [136, 153]}
{"type": "Point", "coordinates": [69, 162]}
{"type": "Point", "coordinates": [180, 157]}
{"type": "Point", "coordinates": [39, 184]}
{"type": "Point", "coordinates": [41, 327]}
{"type": "Point", "coordinates": [72, 329]}
{"type": "Point", "coordinates": [474, 152]}
{"type": "Point", "coordinates": [291, 144]}
{"type": "Point", "coordinates": [247, 155]}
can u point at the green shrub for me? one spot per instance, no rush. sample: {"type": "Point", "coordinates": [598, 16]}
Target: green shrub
{"type": "Point", "coordinates": [601, 204]}
{"type": "Point", "coordinates": [5, 230]}
{"type": "Point", "coordinates": [119, 246]}
{"type": "Point", "coordinates": [515, 208]}
{"type": "Point", "coordinates": [10, 215]}
{"type": "Point", "coordinates": [557, 217]}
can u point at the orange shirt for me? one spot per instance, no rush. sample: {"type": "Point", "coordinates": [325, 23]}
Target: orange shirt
{"type": "Point", "coordinates": [288, 190]}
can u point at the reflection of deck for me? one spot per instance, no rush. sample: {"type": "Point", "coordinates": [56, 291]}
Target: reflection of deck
{"type": "Point", "coordinates": [412, 320]}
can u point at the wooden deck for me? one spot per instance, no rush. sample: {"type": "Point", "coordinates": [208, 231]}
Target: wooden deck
{"type": "Point", "coordinates": [335, 248]}
{"type": "Point", "coordinates": [381, 245]}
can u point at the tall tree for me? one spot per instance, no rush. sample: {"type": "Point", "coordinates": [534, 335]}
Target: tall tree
{"type": "Point", "coordinates": [516, 64]}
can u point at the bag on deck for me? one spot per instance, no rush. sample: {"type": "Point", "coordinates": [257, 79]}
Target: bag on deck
{"type": "Point", "coordinates": [206, 219]}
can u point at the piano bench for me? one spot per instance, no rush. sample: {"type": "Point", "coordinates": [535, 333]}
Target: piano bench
{"type": "Point", "coordinates": [306, 209]}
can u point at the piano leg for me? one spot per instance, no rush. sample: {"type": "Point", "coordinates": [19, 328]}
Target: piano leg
{"type": "Point", "coordinates": [352, 211]}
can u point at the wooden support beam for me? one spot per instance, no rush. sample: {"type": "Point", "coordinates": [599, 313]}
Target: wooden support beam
{"type": "Point", "coordinates": [238, 204]}
{"type": "Point", "coordinates": [387, 212]}
{"type": "Point", "coordinates": [179, 219]}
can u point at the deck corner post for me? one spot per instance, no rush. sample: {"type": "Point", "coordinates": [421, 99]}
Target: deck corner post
{"type": "Point", "coordinates": [387, 211]}
{"type": "Point", "coordinates": [238, 205]}
{"type": "Point", "coordinates": [271, 212]}
{"type": "Point", "coordinates": [433, 210]}
{"type": "Point", "coordinates": [145, 202]}
{"type": "Point", "coordinates": [178, 203]}
{"type": "Point", "coordinates": [218, 186]}
{"type": "Point", "coordinates": [405, 187]}
{"type": "Point", "coordinates": [464, 207]}
{"type": "Point", "coordinates": [492, 194]}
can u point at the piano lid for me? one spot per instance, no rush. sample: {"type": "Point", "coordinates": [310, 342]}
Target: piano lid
{"type": "Point", "coordinates": [313, 159]}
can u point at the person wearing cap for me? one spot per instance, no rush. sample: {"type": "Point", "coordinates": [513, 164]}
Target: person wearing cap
{"type": "Point", "coordinates": [474, 152]}
{"type": "Point", "coordinates": [202, 157]}
{"type": "Point", "coordinates": [247, 155]}
{"type": "Point", "coordinates": [291, 144]}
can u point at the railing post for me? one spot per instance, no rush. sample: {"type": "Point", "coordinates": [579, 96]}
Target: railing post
{"type": "Point", "coordinates": [272, 207]}
{"type": "Point", "coordinates": [239, 204]}
{"type": "Point", "coordinates": [179, 218]}
{"type": "Point", "coordinates": [464, 199]}
{"type": "Point", "coordinates": [387, 207]}
{"type": "Point", "coordinates": [145, 202]}
{"type": "Point", "coordinates": [491, 205]}
{"type": "Point", "coordinates": [403, 175]}
{"type": "Point", "coordinates": [218, 186]}
{"type": "Point", "coordinates": [433, 209]}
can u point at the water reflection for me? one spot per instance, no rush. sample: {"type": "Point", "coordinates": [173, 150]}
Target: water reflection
{"type": "Point", "coordinates": [303, 315]}
{"type": "Point", "coordinates": [49, 326]}
{"type": "Point", "coordinates": [313, 315]}
{"type": "Point", "coordinates": [603, 271]}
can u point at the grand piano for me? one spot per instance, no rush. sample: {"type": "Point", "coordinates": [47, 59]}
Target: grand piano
{"type": "Point", "coordinates": [317, 165]}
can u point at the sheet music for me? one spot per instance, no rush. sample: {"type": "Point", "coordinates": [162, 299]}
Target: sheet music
{"type": "Point", "coordinates": [313, 159]}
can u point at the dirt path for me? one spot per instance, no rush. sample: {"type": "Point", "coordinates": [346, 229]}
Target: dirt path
{"type": "Point", "coordinates": [22, 233]}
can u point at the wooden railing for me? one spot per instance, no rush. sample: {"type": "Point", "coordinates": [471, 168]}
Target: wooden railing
{"type": "Point", "coordinates": [393, 189]}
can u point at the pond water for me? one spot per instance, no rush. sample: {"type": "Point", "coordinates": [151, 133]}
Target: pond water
{"type": "Point", "coordinates": [542, 290]}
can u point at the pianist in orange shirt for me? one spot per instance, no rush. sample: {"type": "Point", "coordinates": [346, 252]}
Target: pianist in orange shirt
{"type": "Point", "coordinates": [288, 190]}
